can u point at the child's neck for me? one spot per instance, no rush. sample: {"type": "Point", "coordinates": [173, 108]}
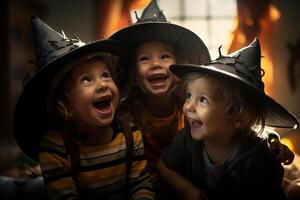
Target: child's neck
{"type": "Point", "coordinates": [160, 106]}
{"type": "Point", "coordinates": [98, 135]}
{"type": "Point", "coordinates": [219, 151]}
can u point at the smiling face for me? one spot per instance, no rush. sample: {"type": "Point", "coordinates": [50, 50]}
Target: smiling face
{"type": "Point", "coordinates": [152, 68]}
{"type": "Point", "coordinates": [92, 93]}
{"type": "Point", "coordinates": [204, 109]}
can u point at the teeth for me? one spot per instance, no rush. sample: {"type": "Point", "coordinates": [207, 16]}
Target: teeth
{"type": "Point", "coordinates": [157, 77]}
{"type": "Point", "coordinates": [196, 123]}
{"type": "Point", "coordinates": [102, 103]}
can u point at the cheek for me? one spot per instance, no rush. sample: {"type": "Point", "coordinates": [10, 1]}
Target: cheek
{"type": "Point", "coordinates": [141, 72]}
{"type": "Point", "coordinates": [116, 93]}
{"type": "Point", "coordinates": [172, 61]}
{"type": "Point", "coordinates": [184, 109]}
{"type": "Point", "coordinates": [139, 78]}
{"type": "Point", "coordinates": [175, 78]}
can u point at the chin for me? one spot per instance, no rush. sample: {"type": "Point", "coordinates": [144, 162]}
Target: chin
{"type": "Point", "coordinates": [106, 122]}
{"type": "Point", "coordinates": [197, 136]}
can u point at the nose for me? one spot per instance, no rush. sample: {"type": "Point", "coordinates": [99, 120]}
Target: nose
{"type": "Point", "coordinates": [156, 63]}
{"type": "Point", "coordinates": [189, 106]}
{"type": "Point", "coordinates": [101, 86]}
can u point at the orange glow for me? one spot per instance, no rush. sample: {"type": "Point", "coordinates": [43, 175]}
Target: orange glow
{"type": "Point", "coordinates": [288, 143]}
{"type": "Point", "coordinates": [274, 13]}
{"type": "Point", "coordinates": [266, 23]}
{"type": "Point", "coordinates": [249, 22]}
{"type": "Point", "coordinates": [115, 14]}
{"type": "Point", "coordinates": [113, 23]}
{"type": "Point", "coordinates": [137, 4]}
{"type": "Point", "coordinates": [238, 39]}
{"type": "Point", "coordinates": [268, 78]}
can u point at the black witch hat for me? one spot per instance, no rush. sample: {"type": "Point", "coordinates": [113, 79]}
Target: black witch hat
{"type": "Point", "coordinates": [153, 26]}
{"type": "Point", "coordinates": [53, 52]}
{"type": "Point", "coordinates": [244, 67]}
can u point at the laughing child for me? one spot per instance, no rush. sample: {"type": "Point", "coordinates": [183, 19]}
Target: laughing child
{"type": "Point", "coordinates": [66, 118]}
{"type": "Point", "coordinates": [218, 155]}
{"type": "Point", "coordinates": [155, 44]}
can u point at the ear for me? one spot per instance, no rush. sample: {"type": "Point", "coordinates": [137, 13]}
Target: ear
{"type": "Point", "coordinates": [242, 120]}
{"type": "Point", "coordinates": [238, 123]}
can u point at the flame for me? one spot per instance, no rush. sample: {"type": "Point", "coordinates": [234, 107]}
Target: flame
{"type": "Point", "coordinates": [117, 15]}
{"type": "Point", "coordinates": [137, 4]}
{"type": "Point", "coordinates": [266, 23]}
{"type": "Point", "coordinates": [238, 39]}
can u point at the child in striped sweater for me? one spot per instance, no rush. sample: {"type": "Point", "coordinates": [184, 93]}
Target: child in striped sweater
{"type": "Point", "coordinates": [84, 150]}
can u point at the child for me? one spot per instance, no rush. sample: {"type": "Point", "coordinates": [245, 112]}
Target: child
{"type": "Point", "coordinates": [67, 118]}
{"type": "Point", "coordinates": [218, 154]}
{"type": "Point", "coordinates": [156, 44]}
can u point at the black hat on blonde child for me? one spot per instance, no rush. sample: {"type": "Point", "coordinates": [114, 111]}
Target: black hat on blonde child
{"type": "Point", "coordinates": [244, 67]}
{"type": "Point", "coordinates": [53, 52]}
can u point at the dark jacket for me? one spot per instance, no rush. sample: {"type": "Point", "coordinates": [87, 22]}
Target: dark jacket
{"type": "Point", "coordinates": [253, 173]}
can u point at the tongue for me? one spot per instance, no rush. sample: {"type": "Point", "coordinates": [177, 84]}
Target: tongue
{"type": "Point", "coordinates": [103, 107]}
{"type": "Point", "coordinates": [196, 124]}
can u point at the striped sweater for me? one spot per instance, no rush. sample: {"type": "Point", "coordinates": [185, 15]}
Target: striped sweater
{"type": "Point", "coordinates": [158, 134]}
{"type": "Point", "coordinates": [101, 172]}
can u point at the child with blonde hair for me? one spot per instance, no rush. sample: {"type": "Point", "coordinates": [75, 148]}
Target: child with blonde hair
{"type": "Point", "coordinates": [218, 155]}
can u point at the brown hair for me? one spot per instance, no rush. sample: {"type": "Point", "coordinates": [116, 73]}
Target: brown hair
{"type": "Point", "coordinates": [136, 99]}
{"type": "Point", "coordinates": [240, 103]}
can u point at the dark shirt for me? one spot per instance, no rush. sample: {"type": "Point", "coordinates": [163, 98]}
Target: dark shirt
{"type": "Point", "coordinates": [252, 173]}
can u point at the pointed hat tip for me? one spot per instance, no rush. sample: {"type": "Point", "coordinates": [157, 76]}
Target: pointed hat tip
{"type": "Point", "coordinates": [35, 20]}
{"type": "Point", "coordinates": [255, 42]}
{"type": "Point", "coordinates": [34, 17]}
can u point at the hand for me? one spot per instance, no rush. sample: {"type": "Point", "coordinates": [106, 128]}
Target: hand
{"type": "Point", "coordinates": [283, 153]}
{"type": "Point", "coordinates": [32, 172]}
{"type": "Point", "coordinates": [194, 193]}
{"type": "Point", "coordinates": [293, 189]}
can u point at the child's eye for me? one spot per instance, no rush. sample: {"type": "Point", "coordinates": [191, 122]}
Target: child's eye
{"type": "Point", "coordinates": [203, 100]}
{"type": "Point", "coordinates": [143, 59]}
{"type": "Point", "coordinates": [85, 80]}
{"type": "Point", "coordinates": [166, 56]}
{"type": "Point", "coordinates": [188, 96]}
{"type": "Point", "coordinates": [106, 75]}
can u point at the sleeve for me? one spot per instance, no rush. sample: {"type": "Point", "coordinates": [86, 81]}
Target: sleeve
{"type": "Point", "coordinates": [263, 176]}
{"type": "Point", "coordinates": [174, 156]}
{"type": "Point", "coordinates": [55, 168]}
{"type": "Point", "coordinates": [141, 186]}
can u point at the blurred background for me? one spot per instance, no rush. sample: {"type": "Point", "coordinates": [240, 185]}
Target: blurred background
{"type": "Point", "coordinates": [231, 23]}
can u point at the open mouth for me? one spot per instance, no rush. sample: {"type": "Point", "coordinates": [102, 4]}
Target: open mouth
{"type": "Point", "coordinates": [195, 124]}
{"type": "Point", "coordinates": [103, 104]}
{"type": "Point", "coordinates": [157, 78]}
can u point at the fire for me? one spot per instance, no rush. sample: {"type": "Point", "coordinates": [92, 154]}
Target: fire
{"type": "Point", "coordinates": [115, 14]}
{"type": "Point", "coordinates": [249, 24]}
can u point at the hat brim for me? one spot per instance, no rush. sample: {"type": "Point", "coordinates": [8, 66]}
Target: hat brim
{"type": "Point", "coordinates": [277, 116]}
{"type": "Point", "coordinates": [30, 117]}
{"type": "Point", "coordinates": [190, 46]}
{"type": "Point", "coordinates": [176, 35]}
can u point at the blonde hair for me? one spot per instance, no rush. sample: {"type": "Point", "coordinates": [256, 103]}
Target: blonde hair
{"type": "Point", "coordinates": [239, 102]}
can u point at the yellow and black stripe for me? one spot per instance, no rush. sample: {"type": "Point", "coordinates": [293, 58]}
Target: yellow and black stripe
{"type": "Point", "coordinates": [101, 172]}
